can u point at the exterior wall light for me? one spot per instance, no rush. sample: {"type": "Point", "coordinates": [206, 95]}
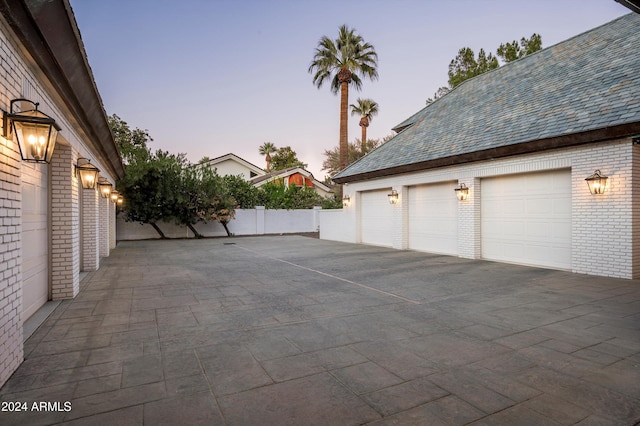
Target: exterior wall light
{"type": "Point", "coordinates": [346, 201]}
{"type": "Point", "coordinates": [114, 196]}
{"type": "Point", "coordinates": [105, 187]}
{"type": "Point", "coordinates": [393, 197]}
{"type": "Point", "coordinates": [462, 192]}
{"type": "Point", "coordinates": [35, 132]}
{"type": "Point", "coordinates": [597, 183]}
{"type": "Point", "coordinates": [87, 172]}
{"type": "Point", "coordinates": [120, 200]}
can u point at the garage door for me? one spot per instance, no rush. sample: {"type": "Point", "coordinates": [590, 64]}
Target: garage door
{"type": "Point", "coordinates": [35, 238]}
{"type": "Point", "coordinates": [526, 219]}
{"type": "Point", "coordinates": [433, 218]}
{"type": "Point", "coordinates": [375, 218]}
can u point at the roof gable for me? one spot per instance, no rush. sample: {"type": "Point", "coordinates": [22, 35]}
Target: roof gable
{"type": "Point", "coordinates": [577, 87]}
{"type": "Point", "coordinates": [235, 158]}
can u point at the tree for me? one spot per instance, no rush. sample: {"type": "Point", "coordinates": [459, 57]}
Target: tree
{"type": "Point", "coordinates": [284, 158]}
{"type": "Point", "coordinates": [343, 61]}
{"type": "Point", "coordinates": [465, 65]}
{"type": "Point", "coordinates": [267, 149]}
{"type": "Point", "coordinates": [132, 144]}
{"type": "Point", "coordinates": [245, 194]}
{"type": "Point", "coordinates": [367, 109]}
{"type": "Point", "coordinates": [511, 51]}
{"type": "Point", "coordinates": [331, 162]}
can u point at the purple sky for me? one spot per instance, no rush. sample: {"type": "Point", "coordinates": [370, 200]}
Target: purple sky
{"type": "Point", "coordinates": [220, 76]}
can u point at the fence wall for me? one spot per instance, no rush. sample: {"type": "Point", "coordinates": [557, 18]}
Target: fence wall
{"type": "Point", "coordinates": [258, 221]}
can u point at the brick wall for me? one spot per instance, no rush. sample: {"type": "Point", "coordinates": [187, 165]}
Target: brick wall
{"type": "Point", "coordinates": [65, 226]}
{"type": "Point", "coordinates": [90, 229]}
{"type": "Point", "coordinates": [104, 223]}
{"type": "Point", "coordinates": [605, 223]}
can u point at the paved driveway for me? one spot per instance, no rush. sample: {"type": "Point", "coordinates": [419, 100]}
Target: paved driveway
{"type": "Point", "coordinates": [299, 331]}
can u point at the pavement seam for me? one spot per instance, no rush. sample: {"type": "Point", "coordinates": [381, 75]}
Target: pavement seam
{"type": "Point", "coordinates": [386, 293]}
{"type": "Point", "coordinates": [213, 394]}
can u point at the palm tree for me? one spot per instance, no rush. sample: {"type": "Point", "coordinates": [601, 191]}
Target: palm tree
{"type": "Point", "coordinates": [343, 61]}
{"type": "Point", "coordinates": [366, 108]}
{"type": "Point", "coordinates": [266, 149]}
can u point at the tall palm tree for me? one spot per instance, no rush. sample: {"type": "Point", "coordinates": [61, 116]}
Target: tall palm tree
{"type": "Point", "coordinates": [366, 108]}
{"type": "Point", "coordinates": [266, 149]}
{"type": "Point", "coordinates": [343, 61]}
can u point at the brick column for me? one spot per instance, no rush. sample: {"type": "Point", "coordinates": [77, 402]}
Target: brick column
{"type": "Point", "coordinates": [469, 237]}
{"type": "Point", "coordinates": [112, 225]}
{"type": "Point", "coordinates": [65, 226]}
{"type": "Point", "coordinates": [90, 230]}
{"type": "Point", "coordinates": [104, 219]}
{"type": "Point", "coordinates": [11, 348]}
{"type": "Point", "coordinates": [401, 219]}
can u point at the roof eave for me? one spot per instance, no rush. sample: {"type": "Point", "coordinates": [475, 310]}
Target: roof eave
{"type": "Point", "coordinates": [563, 141]}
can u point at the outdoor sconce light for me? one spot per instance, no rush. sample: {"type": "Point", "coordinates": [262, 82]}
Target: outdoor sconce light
{"type": "Point", "coordinates": [393, 197]}
{"type": "Point", "coordinates": [35, 132]}
{"type": "Point", "coordinates": [597, 183]}
{"type": "Point", "coordinates": [114, 195]}
{"type": "Point", "coordinates": [462, 192]}
{"type": "Point", "coordinates": [346, 201]}
{"type": "Point", "coordinates": [88, 173]}
{"type": "Point", "coordinates": [105, 187]}
{"type": "Point", "coordinates": [120, 200]}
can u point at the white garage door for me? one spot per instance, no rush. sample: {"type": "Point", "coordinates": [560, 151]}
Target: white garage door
{"type": "Point", "coordinates": [433, 218]}
{"type": "Point", "coordinates": [35, 238]}
{"type": "Point", "coordinates": [375, 218]}
{"type": "Point", "coordinates": [526, 219]}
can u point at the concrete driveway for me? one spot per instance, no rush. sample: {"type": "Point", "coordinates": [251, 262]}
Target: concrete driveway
{"type": "Point", "coordinates": [298, 331]}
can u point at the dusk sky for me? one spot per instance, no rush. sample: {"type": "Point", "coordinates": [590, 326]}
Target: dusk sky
{"type": "Point", "coordinates": [212, 77]}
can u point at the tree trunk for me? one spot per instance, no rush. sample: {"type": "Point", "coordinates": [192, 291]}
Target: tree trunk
{"type": "Point", "coordinates": [158, 230]}
{"type": "Point", "coordinates": [364, 139]}
{"type": "Point", "coordinates": [226, 229]}
{"type": "Point", "coordinates": [195, 233]}
{"type": "Point", "coordinates": [344, 122]}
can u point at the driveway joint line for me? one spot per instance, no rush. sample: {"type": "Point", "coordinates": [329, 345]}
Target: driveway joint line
{"type": "Point", "coordinates": [386, 293]}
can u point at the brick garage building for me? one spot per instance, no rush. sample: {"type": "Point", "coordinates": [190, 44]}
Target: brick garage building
{"type": "Point", "coordinates": [522, 138]}
{"type": "Point", "coordinates": [51, 228]}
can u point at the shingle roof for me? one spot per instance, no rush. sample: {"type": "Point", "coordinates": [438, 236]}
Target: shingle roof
{"type": "Point", "coordinates": [589, 82]}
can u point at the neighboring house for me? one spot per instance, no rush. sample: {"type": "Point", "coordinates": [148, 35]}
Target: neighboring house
{"type": "Point", "coordinates": [296, 176]}
{"type": "Point", "coordinates": [231, 164]}
{"type": "Point", "coordinates": [522, 138]}
{"type": "Point", "coordinates": [51, 228]}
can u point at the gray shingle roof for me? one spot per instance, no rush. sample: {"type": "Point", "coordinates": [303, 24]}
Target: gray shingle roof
{"type": "Point", "coordinates": [589, 82]}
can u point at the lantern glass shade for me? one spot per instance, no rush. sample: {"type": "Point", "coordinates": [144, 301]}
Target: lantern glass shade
{"type": "Point", "coordinates": [120, 200]}
{"type": "Point", "coordinates": [393, 197]}
{"type": "Point", "coordinates": [597, 183]}
{"type": "Point", "coordinates": [346, 201]}
{"type": "Point", "coordinates": [88, 173]}
{"type": "Point", "coordinates": [105, 188]}
{"type": "Point", "coordinates": [34, 131]}
{"type": "Point", "coordinates": [462, 192]}
{"type": "Point", "coordinates": [114, 195]}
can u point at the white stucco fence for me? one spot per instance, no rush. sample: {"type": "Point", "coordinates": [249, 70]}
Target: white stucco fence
{"type": "Point", "coordinates": [258, 221]}
{"type": "Point", "coordinates": [335, 225]}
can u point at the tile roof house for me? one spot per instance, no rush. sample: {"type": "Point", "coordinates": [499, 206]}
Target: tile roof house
{"type": "Point", "coordinates": [522, 138]}
{"type": "Point", "coordinates": [231, 164]}
{"type": "Point", "coordinates": [294, 176]}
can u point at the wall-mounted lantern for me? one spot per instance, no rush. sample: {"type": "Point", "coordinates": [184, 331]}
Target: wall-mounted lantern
{"type": "Point", "coordinates": [597, 183]}
{"type": "Point", "coordinates": [87, 172]}
{"type": "Point", "coordinates": [393, 197]}
{"type": "Point", "coordinates": [114, 196]}
{"type": "Point", "coordinates": [462, 192]}
{"type": "Point", "coordinates": [105, 187]}
{"type": "Point", "coordinates": [120, 200]}
{"type": "Point", "coordinates": [346, 201]}
{"type": "Point", "coordinates": [35, 132]}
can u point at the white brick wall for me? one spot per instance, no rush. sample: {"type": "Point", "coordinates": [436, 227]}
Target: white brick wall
{"type": "Point", "coordinates": [65, 226]}
{"type": "Point", "coordinates": [602, 224]}
{"type": "Point", "coordinates": [90, 229]}
{"type": "Point", "coordinates": [11, 351]}
{"type": "Point", "coordinates": [104, 223]}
